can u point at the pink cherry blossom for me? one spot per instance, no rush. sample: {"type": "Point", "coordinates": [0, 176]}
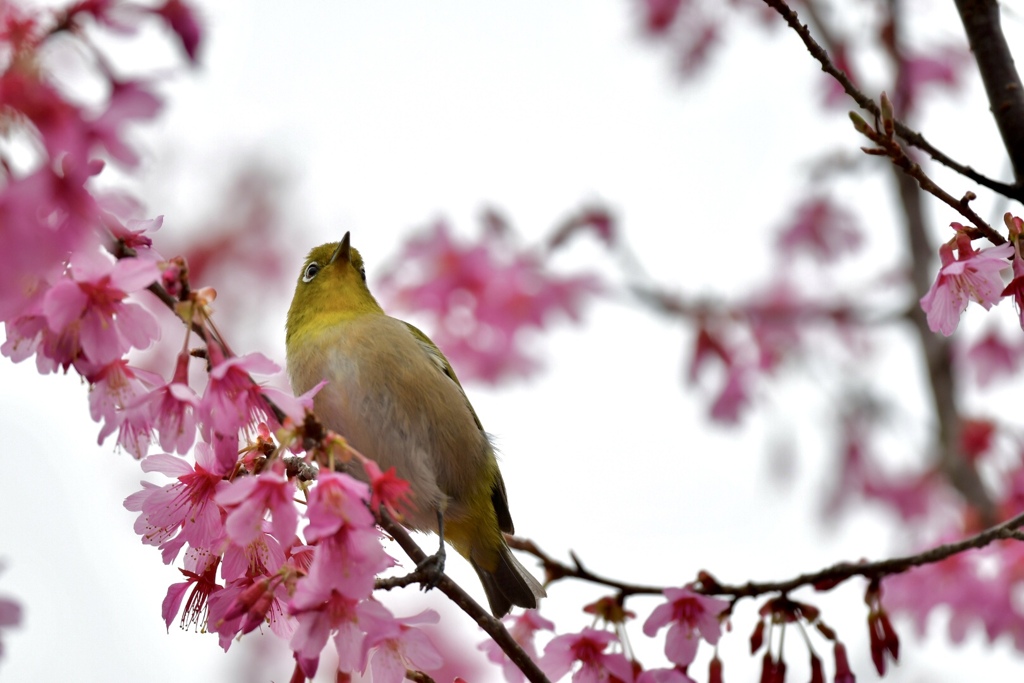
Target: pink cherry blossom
{"type": "Point", "coordinates": [200, 582]}
{"type": "Point", "coordinates": [294, 407]}
{"type": "Point", "coordinates": [247, 603]}
{"type": "Point", "coordinates": [184, 511]}
{"type": "Point", "coordinates": [386, 488]}
{"type": "Point", "coordinates": [588, 648]}
{"type": "Point", "coordinates": [970, 275]}
{"type": "Point", "coordinates": [263, 556]}
{"type": "Point", "coordinates": [523, 629]}
{"type": "Point", "coordinates": [336, 616]}
{"type": "Point", "coordinates": [114, 390]}
{"type": "Point", "coordinates": [248, 499]}
{"type": "Point", "coordinates": [395, 644]}
{"type": "Point", "coordinates": [89, 308]}
{"type": "Point", "coordinates": [690, 617]}
{"type": "Point", "coordinates": [233, 400]}
{"type": "Point", "coordinates": [348, 552]}
{"type": "Point", "coordinates": [172, 407]}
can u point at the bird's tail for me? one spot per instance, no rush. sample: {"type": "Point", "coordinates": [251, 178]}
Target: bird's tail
{"type": "Point", "coordinates": [509, 584]}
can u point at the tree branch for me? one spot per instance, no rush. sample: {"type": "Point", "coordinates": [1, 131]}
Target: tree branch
{"type": "Point", "coordinates": [998, 73]}
{"type": "Point", "coordinates": [823, 579]}
{"type": "Point", "coordinates": [494, 628]}
{"type": "Point", "coordinates": [912, 137]}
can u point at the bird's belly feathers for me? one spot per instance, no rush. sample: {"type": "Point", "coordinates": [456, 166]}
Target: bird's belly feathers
{"type": "Point", "coordinates": [387, 397]}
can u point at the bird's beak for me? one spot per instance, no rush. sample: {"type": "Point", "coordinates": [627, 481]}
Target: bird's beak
{"type": "Point", "coordinates": [342, 252]}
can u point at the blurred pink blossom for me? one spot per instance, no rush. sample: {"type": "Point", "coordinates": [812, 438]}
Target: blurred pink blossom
{"type": "Point", "coordinates": [482, 298]}
{"type": "Point", "coordinates": [992, 358]}
{"type": "Point", "coordinates": [821, 228]}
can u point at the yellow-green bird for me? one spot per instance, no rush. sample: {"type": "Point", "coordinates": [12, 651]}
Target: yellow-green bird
{"type": "Point", "coordinates": [394, 396]}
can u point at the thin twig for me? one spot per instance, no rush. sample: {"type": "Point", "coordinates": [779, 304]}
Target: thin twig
{"type": "Point", "coordinates": [912, 137]}
{"type": "Point", "coordinates": [823, 579]}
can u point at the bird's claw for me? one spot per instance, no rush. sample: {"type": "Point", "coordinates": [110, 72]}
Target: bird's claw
{"type": "Point", "coordinates": [432, 569]}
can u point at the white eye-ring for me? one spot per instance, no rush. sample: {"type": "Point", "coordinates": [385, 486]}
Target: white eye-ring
{"type": "Point", "coordinates": [310, 272]}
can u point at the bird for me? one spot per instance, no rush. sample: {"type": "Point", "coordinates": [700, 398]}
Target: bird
{"type": "Point", "coordinates": [395, 398]}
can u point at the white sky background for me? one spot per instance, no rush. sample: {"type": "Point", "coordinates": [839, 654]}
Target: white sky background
{"type": "Point", "coordinates": [389, 115]}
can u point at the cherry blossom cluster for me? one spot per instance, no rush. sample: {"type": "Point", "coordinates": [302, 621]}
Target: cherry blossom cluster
{"type": "Point", "coordinates": [79, 281]}
{"type": "Point", "coordinates": [483, 299]}
{"type": "Point", "coordinates": [604, 654]}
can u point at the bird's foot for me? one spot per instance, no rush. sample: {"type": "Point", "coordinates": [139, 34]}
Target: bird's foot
{"type": "Point", "coordinates": [432, 569]}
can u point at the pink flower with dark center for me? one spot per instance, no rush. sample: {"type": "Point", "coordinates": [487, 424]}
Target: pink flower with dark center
{"type": "Point", "coordinates": [173, 408]}
{"type": "Point", "coordinates": [233, 400]}
{"type": "Point", "coordinates": [588, 648]}
{"type": "Point", "coordinates": [248, 499]}
{"type": "Point", "coordinates": [200, 582]}
{"type": "Point", "coordinates": [114, 390]}
{"type": "Point", "coordinates": [348, 552]}
{"type": "Point", "coordinates": [335, 616]}
{"type": "Point", "coordinates": [184, 511]}
{"type": "Point", "coordinates": [264, 556]}
{"type": "Point", "coordinates": [690, 617]}
{"type": "Point", "coordinates": [970, 275]}
{"type": "Point", "coordinates": [395, 644]}
{"type": "Point", "coordinates": [247, 603]}
{"type": "Point", "coordinates": [89, 308]}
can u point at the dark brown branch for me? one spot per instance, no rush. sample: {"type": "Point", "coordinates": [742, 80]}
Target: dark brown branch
{"type": "Point", "coordinates": [911, 137]}
{"type": "Point", "coordinates": [494, 628]}
{"type": "Point", "coordinates": [998, 73]}
{"type": "Point", "coordinates": [824, 579]}
{"type": "Point", "coordinates": [555, 570]}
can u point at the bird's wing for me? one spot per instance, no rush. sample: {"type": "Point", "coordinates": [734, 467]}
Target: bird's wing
{"type": "Point", "coordinates": [443, 365]}
{"type": "Point", "coordinates": [499, 498]}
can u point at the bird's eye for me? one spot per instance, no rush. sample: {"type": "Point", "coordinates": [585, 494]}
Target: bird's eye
{"type": "Point", "coordinates": [362, 273]}
{"type": "Point", "coordinates": [310, 272]}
